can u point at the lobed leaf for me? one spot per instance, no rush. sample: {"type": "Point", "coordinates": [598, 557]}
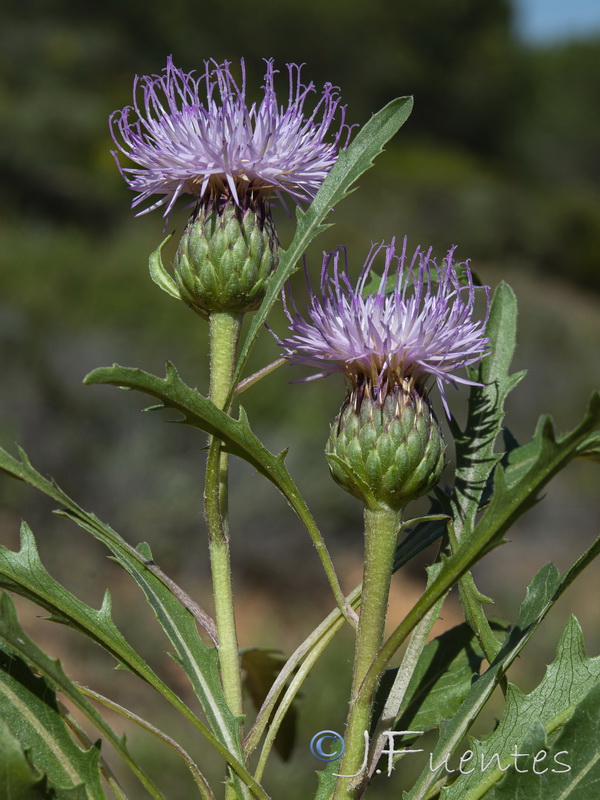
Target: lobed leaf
{"type": "Point", "coordinates": [236, 436]}
{"type": "Point", "coordinates": [22, 572]}
{"type": "Point", "coordinates": [568, 679]}
{"type": "Point", "coordinates": [17, 641]}
{"type": "Point", "coordinates": [28, 706]}
{"type": "Point", "coordinates": [198, 661]}
{"type": "Point", "coordinates": [570, 769]}
{"type": "Point", "coordinates": [545, 589]}
{"type": "Point", "coordinates": [98, 625]}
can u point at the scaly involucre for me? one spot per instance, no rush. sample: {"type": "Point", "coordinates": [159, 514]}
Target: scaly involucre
{"type": "Point", "coordinates": [417, 323]}
{"type": "Point", "coordinates": [196, 135]}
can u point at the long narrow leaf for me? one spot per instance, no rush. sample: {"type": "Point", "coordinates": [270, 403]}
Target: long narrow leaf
{"type": "Point", "coordinates": [236, 435]}
{"type": "Point", "coordinates": [15, 638]}
{"type": "Point", "coordinates": [101, 628]}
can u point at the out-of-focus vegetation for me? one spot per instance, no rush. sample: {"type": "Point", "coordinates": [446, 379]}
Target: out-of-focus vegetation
{"type": "Point", "coordinates": [501, 156]}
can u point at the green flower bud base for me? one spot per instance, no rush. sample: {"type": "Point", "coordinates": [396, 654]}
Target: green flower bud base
{"type": "Point", "coordinates": [386, 453]}
{"type": "Point", "coordinates": [225, 258]}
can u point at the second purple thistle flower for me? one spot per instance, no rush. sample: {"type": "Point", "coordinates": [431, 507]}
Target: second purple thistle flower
{"type": "Point", "coordinates": [414, 323]}
{"type": "Point", "coordinates": [389, 336]}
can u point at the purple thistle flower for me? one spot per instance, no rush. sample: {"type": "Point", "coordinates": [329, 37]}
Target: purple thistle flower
{"type": "Point", "coordinates": [214, 146]}
{"type": "Point", "coordinates": [422, 329]}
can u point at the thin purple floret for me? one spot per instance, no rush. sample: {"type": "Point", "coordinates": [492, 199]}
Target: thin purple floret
{"type": "Point", "coordinates": [196, 135]}
{"type": "Point", "coordinates": [423, 328]}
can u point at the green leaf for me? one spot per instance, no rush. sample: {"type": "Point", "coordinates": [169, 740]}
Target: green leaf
{"type": "Point", "coordinates": [64, 607]}
{"type": "Point", "coordinates": [475, 455]}
{"type": "Point", "coordinates": [18, 778]}
{"type": "Point", "coordinates": [22, 572]}
{"type": "Point", "coordinates": [261, 667]}
{"type": "Point", "coordinates": [199, 662]}
{"type": "Point", "coordinates": [28, 705]}
{"type": "Point", "coordinates": [475, 447]}
{"type": "Point", "coordinates": [545, 589]}
{"type": "Point", "coordinates": [441, 680]}
{"type": "Point", "coordinates": [571, 768]}
{"type": "Point", "coordinates": [159, 274]}
{"type": "Point", "coordinates": [531, 466]}
{"type": "Point", "coordinates": [15, 638]}
{"type": "Point", "coordinates": [568, 679]}
{"type": "Point", "coordinates": [236, 435]}
{"type": "Point", "coordinates": [590, 449]}
{"type": "Point", "coordinates": [350, 165]}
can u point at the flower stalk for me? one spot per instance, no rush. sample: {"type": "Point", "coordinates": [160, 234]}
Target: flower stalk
{"type": "Point", "coordinates": [381, 535]}
{"type": "Point", "coordinates": [224, 336]}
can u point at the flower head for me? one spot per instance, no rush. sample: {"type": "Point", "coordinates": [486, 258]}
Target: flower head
{"type": "Point", "coordinates": [421, 327]}
{"type": "Point", "coordinates": [196, 135]}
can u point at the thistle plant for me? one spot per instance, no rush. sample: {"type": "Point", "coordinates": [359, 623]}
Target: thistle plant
{"type": "Point", "coordinates": [231, 159]}
{"type": "Point", "coordinates": [405, 329]}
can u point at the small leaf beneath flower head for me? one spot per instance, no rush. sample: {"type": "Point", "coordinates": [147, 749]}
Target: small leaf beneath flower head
{"type": "Point", "coordinates": [159, 274]}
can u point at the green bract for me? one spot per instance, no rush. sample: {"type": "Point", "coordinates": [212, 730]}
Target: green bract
{"type": "Point", "coordinates": [225, 258]}
{"type": "Point", "coordinates": [391, 453]}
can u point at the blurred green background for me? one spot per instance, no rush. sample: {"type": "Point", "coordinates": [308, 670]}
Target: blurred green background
{"type": "Point", "coordinates": [500, 157]}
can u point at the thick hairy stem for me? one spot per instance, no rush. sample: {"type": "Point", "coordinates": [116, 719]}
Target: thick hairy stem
{"type": "Point", "coordinates": [381, 533]}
